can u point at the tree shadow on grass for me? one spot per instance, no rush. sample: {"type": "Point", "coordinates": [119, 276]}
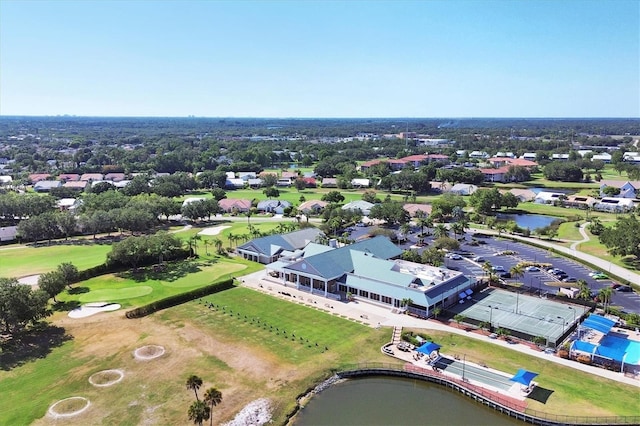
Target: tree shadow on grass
{"type": "Point", "coordinates": [31, 345]}
{"type": "Point", "coordinates": [65, 306]}
{"type": "Point", "coordinates": [78, 290]}
{"type": "Point", "coordinates": [166, 272]}
{"type": "Point", "coordinates": [540, 394]}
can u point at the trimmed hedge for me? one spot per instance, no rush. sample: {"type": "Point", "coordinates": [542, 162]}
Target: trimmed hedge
{"type": "Point", "coordinates": [181, 298]}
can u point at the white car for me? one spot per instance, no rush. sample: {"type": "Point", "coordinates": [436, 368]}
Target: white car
{"type": "Point", "coordinates": [498, 268]}
{"type": "Point", "coordinates": [532, 269]}
{"type": "Point", "coordinates": [478, 259]}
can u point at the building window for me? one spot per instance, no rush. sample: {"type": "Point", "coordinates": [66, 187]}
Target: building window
{"type": "Point", "coordinates": [375, 296]}
{"type": "Point", "coordinates": [364, 293]}
{"type": "Point", "coordinates": [386, 300]}
{"type": "Point", "coordinates": [342, 287]}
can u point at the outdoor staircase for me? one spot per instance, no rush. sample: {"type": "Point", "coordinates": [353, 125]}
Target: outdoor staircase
{"type": "Point", "coordinates": [397, 332]}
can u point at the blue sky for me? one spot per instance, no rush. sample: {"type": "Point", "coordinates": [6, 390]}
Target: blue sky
{"type": "Point", "coordinates": [357, 58]}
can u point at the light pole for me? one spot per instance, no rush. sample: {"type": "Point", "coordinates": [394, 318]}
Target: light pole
{"type": "Point", "coordinates": [464, 362]}
{"type": "Point", "coordinates": [563, 323]}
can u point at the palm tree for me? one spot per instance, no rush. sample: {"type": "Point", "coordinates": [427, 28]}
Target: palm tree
{"type": "Point", "coordinates": [199, 412]}
{"type": "Point", "coordinates": [194, 382]}
{"type": "Point", "coordinates": [441, 231]}
{"type": "Point", "coordinates": [516, 271]}
{"type": "Point", "coordinates": [458, 229]}
{"type": "Point", "coordinates": [584, 292]}
{"type": "Point", "coordinates": [212, 397]}
{"type": "Point", "coordinates": [437, 311]}
{"type": "Point", "coordinates": [459, 318]}
{"type": "Point", "coordinates": [195, 238]}
{"type": "Point", "coordinates": [218, 243]}
{"type": "Point", "coordinates": [605, 295]}
{"type": "Point", "coordinates": [206, 243]}
{"type": "Point", "coordinates": [231, 237]}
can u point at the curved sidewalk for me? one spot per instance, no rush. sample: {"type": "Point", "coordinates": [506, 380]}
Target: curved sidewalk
{"type": "Point", "coordinates": [602, 264]}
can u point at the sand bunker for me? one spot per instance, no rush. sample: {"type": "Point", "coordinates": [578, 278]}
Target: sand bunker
{"type": "Point", "coordinates": [255, 413]}
{"type": "Point", "coordinates": [106, 378]}
{"type": "Point", "coordinates": [213, 231]}
{"type": "Point", "coordinates": [69, 407]}
{"type": "Point", "coordinates": [148, 352]}
{"type": "Point", "coordinates": [89, 309]}
{"type": "Point", "coordinates": [29, 280]}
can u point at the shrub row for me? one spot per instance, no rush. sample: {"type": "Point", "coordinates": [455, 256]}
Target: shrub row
{"type": "Point", "coordinates": [181, 298]}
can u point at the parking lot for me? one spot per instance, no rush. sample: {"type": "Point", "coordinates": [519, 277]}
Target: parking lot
{"type": "Point", "coordinates": [538, 280]}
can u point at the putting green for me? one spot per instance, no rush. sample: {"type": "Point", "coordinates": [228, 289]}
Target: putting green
{"type": "Point", "coordinates": [109, 295]}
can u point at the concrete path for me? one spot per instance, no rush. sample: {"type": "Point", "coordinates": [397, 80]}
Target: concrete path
{"type": "Point", "coordinates": [379, 316]}
{"type": "Point", "coordinates": [585, 236]}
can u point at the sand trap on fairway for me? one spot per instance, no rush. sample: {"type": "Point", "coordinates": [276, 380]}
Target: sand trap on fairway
{"type": "Point", "coordinates": [89, 309]}
{"type": "Point", "coordinates": [213, 230]}
{"type": "Point", "coordinates": [29, 279]}
{"type": "Point", "coordinates": [106, 378]}
{"type": "Point", "coordinates": [69, 407]}
{"type": "Point", "coordinates": [148, 352]}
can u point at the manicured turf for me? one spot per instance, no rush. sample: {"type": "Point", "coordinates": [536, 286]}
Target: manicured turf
{"type": "Point", "coordinates": [19, 261]}
{"type": "Point", "coordinates": [132, 290]}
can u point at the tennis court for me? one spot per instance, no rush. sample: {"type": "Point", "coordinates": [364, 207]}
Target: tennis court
{"type": "Point", "coordinates": [472, 372]}
{"type": "Point", "coordinates": [528, 315]}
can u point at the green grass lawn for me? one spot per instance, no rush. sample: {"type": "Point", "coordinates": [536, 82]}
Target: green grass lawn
{"type": "Point", "coordinates": [132, 290]}
{"type": "Point", "coordinates": [27, 260]}
{"type": "Point", "coordinates": [569, 231]}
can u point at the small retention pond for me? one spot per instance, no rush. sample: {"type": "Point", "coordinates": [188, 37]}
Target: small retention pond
{"type": "Point", "coordinates": [395, 401]}
{"type": "Point", "coordinates": [531, 221]}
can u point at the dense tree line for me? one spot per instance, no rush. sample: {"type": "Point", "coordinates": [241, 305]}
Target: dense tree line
{"type": "Point", "coordinates": [20, 305]}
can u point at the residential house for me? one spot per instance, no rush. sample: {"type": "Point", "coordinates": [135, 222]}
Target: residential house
{"type": "Point", "coordinates": [255, 183]}
{"type": "Point", "coordinates": [46, 185]}
{"type": "Point", "coordinates": [273, 206]}
{"type": "Point", "coordinates": [92, 177]}
{"type": "Point", "coordinates": [69, 177]}
{"type": "Point", "coordinates": [6, 180]}
{"type": "Point", "coordinates": [530, 156]}
{"type": "Point", "coordinates": [115, 177]}
{"type": "Point", "coordinates": [360, 183]}
{"type": "Point", "coordinates": [605, 157]}
{"type": "Point", "coordinates": [363, 206]}
{"type": "Point", "coordinates": [631, 157]}
{"type": "Point", "coordinates": [463, 189]}
{"type": "Point", "coordinates": [561, 157]}
{"type": "Point", "coordinates": [523, 195]}
{"type": "Point", "coordinates": [284, 182]}
{"type": "Point", "coordinates": [268, 249]}
{"type": "Point", "coordinates": [68, 204]}
{"type": "Point", "coordinates": [413, 209]}
{"type": "Point", "coordinates": [611, 204]}
{"type": "Point", "coordinates": [190, 200]}
{"type": "Point", "coordinates": [628, 189]}
{"type": "Point", "coordinates": [479, 155]}
{"type": "Point", "coordinates": [544, 197]}
{"type": "Point", "coordinates": [37, 177]}
{"type": "Point", "coordinates": [580, 201]}
{"type": "Point", "coordinates": [312, 206]}
{"type": "Point", "coordinates": [77, 185]}
{"type": "Point", "coordinates": [233, 205]}
{"type": "Point", "coordinates": [508, 161]}
{"type": "Point", "coordinates": [329, 183]}
{"type": "Point", "coordinates": [289, 175]}
{"type": "Point", "coordinates": [494, 175]}
{"type": "Point", "coordinates": [440, 186]}
{"type": "Point", "coordinates": [234, 183]}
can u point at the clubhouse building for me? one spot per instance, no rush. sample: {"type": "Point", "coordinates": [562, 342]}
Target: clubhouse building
{"type": "Point", "coordinates": [369, 270]}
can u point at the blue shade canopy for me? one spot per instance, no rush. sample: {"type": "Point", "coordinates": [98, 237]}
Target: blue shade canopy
{"type": "Point", "coordinates": [523, 376]}
{"type": "Point", "coordinates": [598, 323]}
{"type": "Point", "coordinates": [428, 347]}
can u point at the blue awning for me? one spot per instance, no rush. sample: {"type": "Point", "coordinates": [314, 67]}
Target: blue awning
{"type": "Point", "coordinates": [598, 323]}
{"type": "Point", "coordinates": [428, 347]}
{"type": "Point", "coordinates": [524, 376]}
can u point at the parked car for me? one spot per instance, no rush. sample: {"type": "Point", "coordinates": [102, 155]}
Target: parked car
{"type": "Point", "coordinates": [505, 274]}
{"type": "Point", "coordinates": [532, 269]}
{"type": "Point", "coordinates": [479, 259]}
{"type": "Point", "coordinates": [498, 268]}
{"type": "Point", "coordinates": [598, 276]}
{"type": "Point", "coordinates": [570, 280]}
{"type": "Point", "coordinates": [625, 288]}
{"type": "Point", "coordinates": [615, 285]}
{"type": "Point", "coordinates": [455, 256]}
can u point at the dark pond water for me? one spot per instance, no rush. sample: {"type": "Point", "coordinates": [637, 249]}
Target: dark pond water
{"type": "Point", "coordinates": [395, 401]}
{"type": "Point", "coordinates": [531, 221]}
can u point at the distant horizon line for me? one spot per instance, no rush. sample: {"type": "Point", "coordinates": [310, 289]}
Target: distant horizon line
{"type": "Point", "coordinates": [325, 118]}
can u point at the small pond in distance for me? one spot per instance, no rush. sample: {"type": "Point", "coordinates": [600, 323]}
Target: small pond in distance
{"type": "Point", "coordinates": [531, 221]}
